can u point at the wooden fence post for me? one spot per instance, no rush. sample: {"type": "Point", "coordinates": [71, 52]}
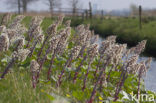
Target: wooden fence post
{"type": "Point", "coordinates": [19, 7]}
{"type": "Point", "coordinates": [90, 10]}
{"type": "Point", "coordinates": [102, 14]}
{"type": "Point", "coordinates": [140, 17]}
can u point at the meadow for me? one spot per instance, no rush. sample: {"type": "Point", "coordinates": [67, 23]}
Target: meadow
{"type": "Point", "coordinates": [44, 60]}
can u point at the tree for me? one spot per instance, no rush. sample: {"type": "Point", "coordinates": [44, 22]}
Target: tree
{"type": "Point", "coordinates": [25, 3]}
{"type": "Point", "coordinates": [14, 4]}
{"type": "Point", "coordinates": [53, 4]}
{"type": "Point", "coordinates": [75, 5]}
{"type": "Point", "coordinates": [20, 4]}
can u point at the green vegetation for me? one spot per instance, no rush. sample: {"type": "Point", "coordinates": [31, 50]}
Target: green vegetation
{"type": "Point", "coordinates": [17, 87]}
{"type": "Point", "coordinates": [126, 29]}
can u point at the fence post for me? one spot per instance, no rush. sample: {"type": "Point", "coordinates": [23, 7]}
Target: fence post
{"type": "Point", "coordinates": [140, 17]}
{"type": "Point", "coordinates": [90, 10]}
{"type": "Point", "coordinates": [19, 7]}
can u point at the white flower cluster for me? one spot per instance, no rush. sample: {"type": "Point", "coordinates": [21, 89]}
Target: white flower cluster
{"type": "Point", "coordinates": [37, 20]}
{"type": "Point", "coordinates": [60, 19]}
{"type": "Point", "coordinates": [35, 31]}
{"type": "Point", "coordinates": [16, 21]}
{"type": "Point", "coordinates": [4, 42]}
{"type": "Point", "coordinates": [140, 47]}
{"type": "Point", "coordinates": [92, 51]}
{"type": "Point", "coordinates": [63, 40]}
{"type": "Point", "coordinates": [6, 18]}
{"type": "Point", "coordinates": [2, 28]}
{"type": "Point", "coordinates": [53, 42]}
{"type": "Point", "coordinates": [94, 39]}
{"type": "Point", "coordinates": [75, 52]}
{"type": "Point", "coordinates": [19, 43]}
{"type": "Point", "coordinates": [20, 29]}
{"type": "Point", "coordinates": [141, 67]}
{"type": "Point", "coordinates": [21, 54]}
{"type": "Point", "coordinates": [15, 30]}
{"type": "Point", "coordinates": [12, 34]}
{"type": "Point", "coordinates": [131, 63]}
{"type": "Point", "coordinates": [104, 46]}
{"type": "Point", "coordinates": [34, 66]}
{"type": "Point", "coordinates": [40, 38]}
{"type": "Point", "coordinates": [67, 23]}
{"type": "Point", "coordinates": [112, 39]}
{"type": "Point", "coordinates": [52, 29]}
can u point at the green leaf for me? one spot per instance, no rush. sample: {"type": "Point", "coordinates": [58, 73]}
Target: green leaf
{"type": "Point", "coordinates": [4, 60]}
{"type": "Point", "coordinates": [50, 97]}
{"type": "Point", "coordinates": [38, 45]}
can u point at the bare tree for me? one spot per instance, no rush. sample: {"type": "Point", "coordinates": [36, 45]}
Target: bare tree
{"type": "Point", "coordinates": [25, 3]}
{"type": "Point", "coordinates": [14, 4]}
{"type": "Point", "coordinates": [20, 4]}
{"type": "Point", "coordinates": [75, 5]}
{"type": "Point", "coordinates": [53, 4]}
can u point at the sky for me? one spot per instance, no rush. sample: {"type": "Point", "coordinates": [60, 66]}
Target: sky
{"type": "Point", "coordinates": [101, 4]}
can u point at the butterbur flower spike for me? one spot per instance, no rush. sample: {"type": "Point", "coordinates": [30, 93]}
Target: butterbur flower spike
{"type": "Point", "coordinates": [93, 51]}
{"type": "Point", "coordinates": [67, 23]}
{"type": "Point", "coordinates": [19, 43]}
{"type": "Point", "coordinates": [94, 39]}
{"type": "Point", "coordinates": [142, 72]}
{"type": "Point", "coordinates": [53, 42]}
{"type": "Point", "coordinates": [8, 67]}
{"type": "Point", "coordinates": [34, 67]}
{"type": "Point", "coordinates": [51, 31]}
{"type": "Point", "coordinates": [2, 28]}
{"type": "Point", "coordinates": [60, 19]}
{"type": "Point", "coordinates": [148, 62]}
{"type": "Point", "coordinates": [140, 47]}
{"type": "Point", "coordinates": [39, 39]}
{"type": "Point", "coordinates": [16, 21]}
{"type": "Point", "coordinates": [59, 50]}
{"type": "Point", "coordinates": [4, 42]}
{"type": "Point", "coordinates": [53, 45]}
{"type": "Point", "coordinates": [21, 54]}
{"type": "Point", "coordinates": [112, 39]}
{"type": "Point", "coordinates": [74, 53]}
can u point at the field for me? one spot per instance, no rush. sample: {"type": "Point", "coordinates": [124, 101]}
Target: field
{"type": "Point", "coordinates": [44, 60]}
{"type": "Point", "coordinates": [126, 29]}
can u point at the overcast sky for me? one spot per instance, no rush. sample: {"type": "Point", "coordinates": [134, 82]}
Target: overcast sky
{"type": "Point", "coordinates": [102, 4]}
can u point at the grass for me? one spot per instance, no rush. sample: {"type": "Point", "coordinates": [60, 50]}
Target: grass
{"type": "Point", "coordinates": [46, 23]}
{"type": "Point", "coordinates": [18, 89]}
{"type": "Point", "coordinates": [26, 21]}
